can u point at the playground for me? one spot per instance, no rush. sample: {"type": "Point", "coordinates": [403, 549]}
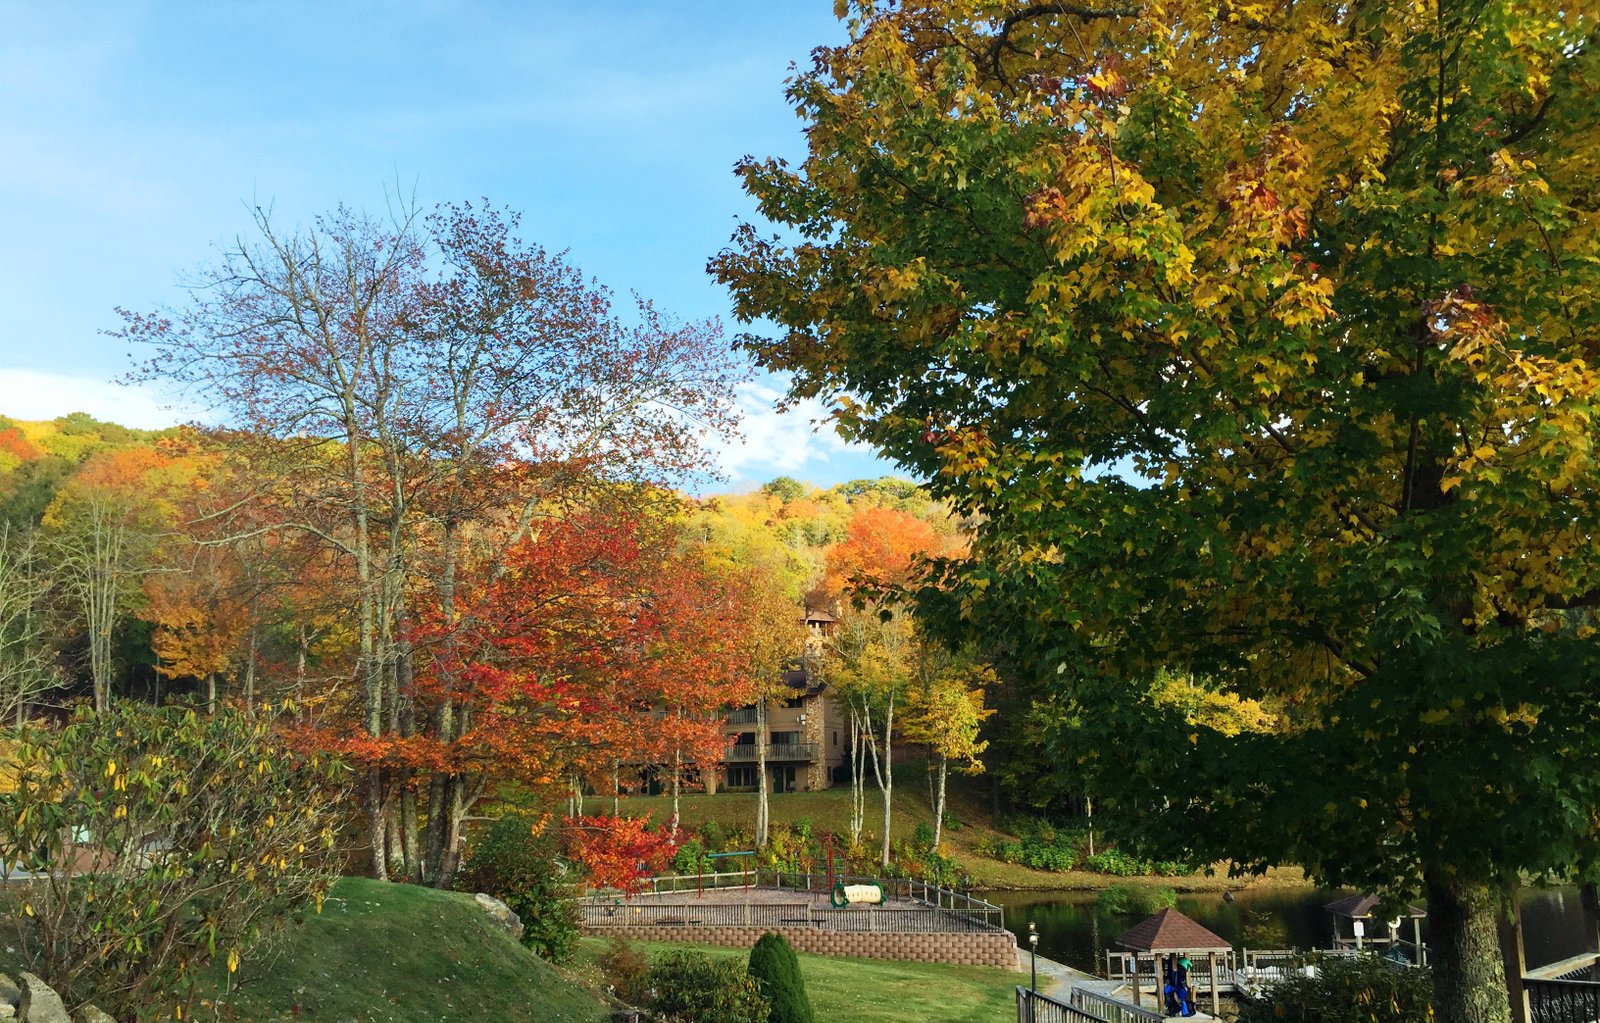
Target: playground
{"type": "Point", "coordinates": [783, 900]}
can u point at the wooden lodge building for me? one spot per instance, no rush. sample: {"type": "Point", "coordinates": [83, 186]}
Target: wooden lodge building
{"type": "Point", "coordinates": [807, 734]}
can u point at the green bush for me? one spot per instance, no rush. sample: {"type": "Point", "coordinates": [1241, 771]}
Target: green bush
{"type": "Point", "coordinates": [714, 836]}
{"type": "Point", "coordinates": [687, 859]}
{"type": "Point", "coordinates": [1137, 899]}
{"type": "Point", "coordinates": [626, 969]}
{"type": "Point", "coordinates": [692, 987]}
{"type": "Point", "coordinates": [1043, 846]}
{"type": "Point", "coordinates": [522, 869]}
{"type": "Point", "coordinates": [1118, 863]}
{"type": "Point", "coordinates": [922, 835]}
{"type": "Point", "coordinates": [208, 831]}
{"type": "Point", "coordinates": [776, 969]}
{"type": "Point", "coordinates": [1361, 989]}
{"type": "Point", "coordinates": [1048, 857]}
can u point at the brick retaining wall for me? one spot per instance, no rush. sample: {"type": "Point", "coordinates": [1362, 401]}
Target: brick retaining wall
{"type": "Point", "coordinates": [985, 949]}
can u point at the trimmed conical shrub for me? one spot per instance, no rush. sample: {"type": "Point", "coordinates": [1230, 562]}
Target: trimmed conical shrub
{"type": "Point", "coordinates": [776, 968]}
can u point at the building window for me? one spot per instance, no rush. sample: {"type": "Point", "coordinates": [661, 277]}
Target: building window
{"type": "Point", "coordinates": [785, 738]}
{"type": "Point", "coordinates": [741, 777]}
{"type": "Point", "coordinates": [795, 704]}
{"type": "Point", "coordinates": [835, 738]}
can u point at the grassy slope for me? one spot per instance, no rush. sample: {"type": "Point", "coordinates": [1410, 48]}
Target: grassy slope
{"type": "Point", "coordinates": [829, 810]}
{"type": "Point", "coordinates": [873, 991]}
{"type": "Point", "coordinates": [389, 953]}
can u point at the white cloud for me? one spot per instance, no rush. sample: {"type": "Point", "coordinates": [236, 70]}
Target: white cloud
{"type": "Point", "coordinates": [797, 442]}
{"type": "Point", "coordinates": [31, 394]}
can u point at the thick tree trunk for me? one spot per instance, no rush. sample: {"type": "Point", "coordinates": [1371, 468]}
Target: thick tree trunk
{"type": "Point", "coordinates": [375, 816]}
{"type": "Point", "coordinates": [1469, 979]}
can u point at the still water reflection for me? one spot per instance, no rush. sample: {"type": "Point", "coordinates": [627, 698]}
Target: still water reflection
{"type": "Point", "coordinates": [1075, 931]}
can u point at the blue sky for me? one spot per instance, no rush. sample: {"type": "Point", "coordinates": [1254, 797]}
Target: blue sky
{"type": "Point", "coordinates": [135, 136]}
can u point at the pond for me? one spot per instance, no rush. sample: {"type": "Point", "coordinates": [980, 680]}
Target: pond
{"type": "Point", "coordinates": [1075, 931]}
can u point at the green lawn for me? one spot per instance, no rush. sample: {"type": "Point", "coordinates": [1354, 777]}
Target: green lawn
{"type": "Point", "coordinates": [393, 953]}
{"type": "Point", "coordinates": [872, 990]}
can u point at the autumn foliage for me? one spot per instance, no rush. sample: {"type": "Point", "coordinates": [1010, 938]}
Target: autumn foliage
{"type": "Point", "coordinates": [618, 852]}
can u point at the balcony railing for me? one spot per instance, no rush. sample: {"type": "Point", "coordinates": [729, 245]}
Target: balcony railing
{"type": "Point", "coordinates": [747, 716]}
{"type": "Point", "coordinates": [745, 753]}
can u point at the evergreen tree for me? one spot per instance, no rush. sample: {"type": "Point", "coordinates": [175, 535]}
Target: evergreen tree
{"type": "Point", "coordinates": [776, 968]}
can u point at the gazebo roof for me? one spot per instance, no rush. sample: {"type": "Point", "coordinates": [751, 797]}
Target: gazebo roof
{"type": "Point", "coordinates": [1360, 907]}
{"type": "Point", "coordinates": [1171, 931]}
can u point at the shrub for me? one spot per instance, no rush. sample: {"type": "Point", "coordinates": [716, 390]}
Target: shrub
{"type": "Point", "coordinates": [687, 859]}
{"type": "Point", "coordinates": [1137, 899]}
{"type": "Point", "coordinates": [1118, 863]}
{"type": "Point", "coordinates": [206, 830]}
{"type": "Point", "coordinates": [692, 987]}
{"type": "Point", "coordinates": [1264, 930]}
{"type": "Point", "coordinates": [517, 863]}
{"type": "Point", "coordinates": [1048, 857]}
{"type": "Point", "coordinates": [714, 836]}
{"type": "Point", "coordinates": [1043, 846]}
{"type": "Point", "coordinates": [1360, 989]}
{"type": "Point", "coordinates": [627, 970]}
{"type": "Point", "coordinates": [776, 969]}
{"type": "Point", "coordinates": [951, 821]}
{"type": "Point", "coordinates": [922, 835]}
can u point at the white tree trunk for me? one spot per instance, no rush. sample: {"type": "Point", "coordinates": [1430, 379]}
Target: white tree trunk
{"type": "Point", "coordinates": [761, 772]}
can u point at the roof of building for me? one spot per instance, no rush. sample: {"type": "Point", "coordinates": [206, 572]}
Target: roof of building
{"type": "Point", "coordinates": [1360, 907]}
{"type": "Point", "coordinates": [819, 616]}
{"type": "Point", "coordinates": [800, 680]}
{"type": "Point", "coordinates": [1171, 931]}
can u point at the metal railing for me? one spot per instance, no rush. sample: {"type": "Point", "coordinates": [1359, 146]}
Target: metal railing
{"type": "Point", "coordinates": [1562, 1001]}
{"type": "Point", "coordinates": [1111, 1010]}
{"type": "Point", "coordinates": [746, 716]}
{"type": "Point", "coordinates": [937, 909]}
{"type": "Point", "coordinates": [776, 751]}
{"type": "Point", "coordinates": [1036, 1007]}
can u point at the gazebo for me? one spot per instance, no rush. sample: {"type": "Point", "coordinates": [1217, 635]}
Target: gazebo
{"type": "Point", "coordinates": [1168, 932]}
{"type": "Point", "coordinates": [1357, 909]}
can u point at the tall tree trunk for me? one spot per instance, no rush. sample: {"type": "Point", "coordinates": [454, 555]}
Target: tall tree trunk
{"type": "Point", "coordinates": [1469, 979]}
{"type": "Point", "coordinates": [211, 692]}
{"type": "Point", "coordinates": [367, 666]}
{"type": "Point", "coordinates": [938, 803]}
{"type": "Point", "coordinates": [886, 777]}
{"type": "Point", "coordinates": [1088, 808]}
{"type": "Point", "coordinates": [761, 772]}
{"type": "Point", "coordinates": [858, 778]}
{"type": "Point", "coordinates": [677, 776]}
{"type": "Point", "coordinates": [616, 788]}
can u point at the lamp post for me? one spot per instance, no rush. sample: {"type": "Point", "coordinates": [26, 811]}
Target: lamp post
{"type": "Point", "coordinates": [1033, 967]}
